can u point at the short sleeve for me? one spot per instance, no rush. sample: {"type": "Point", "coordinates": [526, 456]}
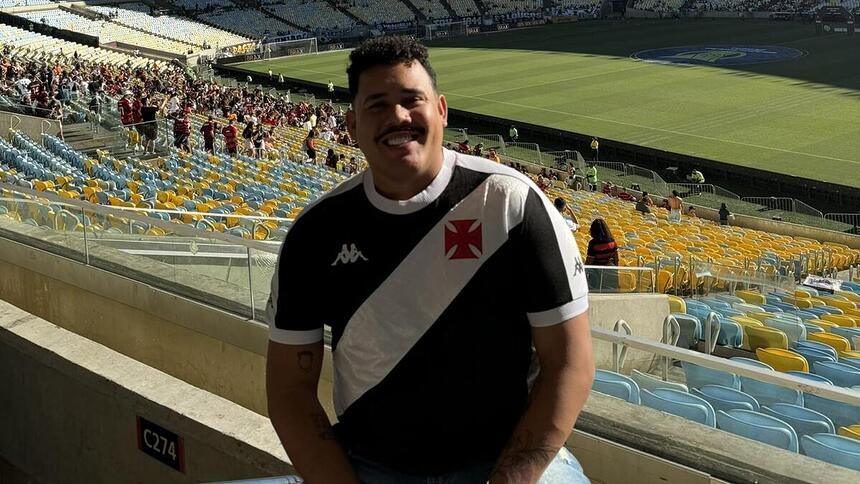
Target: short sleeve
{"type": "Point", "coordinates": [295, 308]}
{"type": "Point", "coordinates": [553, 273]}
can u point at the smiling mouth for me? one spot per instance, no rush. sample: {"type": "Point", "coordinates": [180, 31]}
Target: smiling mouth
{"type": "Point", "coordinates": [400, 138]}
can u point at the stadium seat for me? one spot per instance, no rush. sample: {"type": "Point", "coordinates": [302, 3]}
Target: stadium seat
{"type": "Point", "coordinates": [781, 359]}
{"type": "Point", "coordinates": [812, 355]}
{"type": "Point", "coordinates": [758, 426]}
{"type": "Point", "coordinates": [767, 393]}
{"type": "Point", "coordinates": [690, 330]}
{"type": "Point", "coordinates": [852, 431]}
{"type": "Point", "coordinates": [677, 305]}
{"type": "Point", "coordinates": [840, 319]}
{"type": "Point", "coordinates": [818, 346]}
{"type": "Point", "coordinates": [751, 297]}
{"type": "Point", "coordinates": [794, 331]}
{"type": "Point", "coordinates": [836, 342]}
{"type": "Point", "coordinates": [839, 373]}
{"type": "Point", "coordinates": [803, 420]}
{"type": "Point", "coordinates": [847, 333]}
{"type": "Point", "coordinates": [764, 337]}
{"type": "Point", "coordinates": [810, 376]}
{"type": "Point", "coordinates": [725, 398]}
{"type": "Point", "coordinates": [841, 414]}
{"type": "Point", "coordinates": [835, 449]}
{"type": "Point", "coordinates": [851, 361]}
{"type": "Point", "coordinates": [698, 376]}
{"type": "Point", "coordinates": [681, 404]}
{"type": "Point", "coordinates": [652, 383]}
{"type": "Point", "coordinates": [616, 385]}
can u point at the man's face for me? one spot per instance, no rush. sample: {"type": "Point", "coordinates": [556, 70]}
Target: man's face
{"type": "Point", "coordinates": [397, 118]}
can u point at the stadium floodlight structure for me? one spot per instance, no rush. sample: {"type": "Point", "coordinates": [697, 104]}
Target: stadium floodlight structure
{"type": "Point", "coordinates": [289, 48]}
{"type": "Point", "coordinates": [442, 31]}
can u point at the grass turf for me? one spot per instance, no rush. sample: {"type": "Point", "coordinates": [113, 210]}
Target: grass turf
{"type": "Point", "coordinates": [799, 117]}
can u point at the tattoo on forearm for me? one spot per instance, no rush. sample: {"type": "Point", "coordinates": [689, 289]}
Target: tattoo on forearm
{"type": "Point", "coordinates": [306, 361]}
{"type": "Point", "coordinates": [523, 455]}
{"type": "Point", "coordinates": [322, 426]}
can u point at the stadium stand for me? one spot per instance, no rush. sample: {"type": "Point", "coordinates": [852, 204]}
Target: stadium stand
{"type": "Point", "coordinates": [314, 16]}
{"type": "Point", "coordinates": [251, 22]}
{"type": "Point", "coordinates": [580, 8]}
{"type": "Point", "coordinates": [510, 7]}
{"type": "Point", "coordinates": [195, 5]}
{"type": "Point", "coordinates": [106, 31]}
{"type": "Point", "coordinates": [137, 15]}
{"type": "Point", "coordinates": [465, 8]}
{"type": "Point", "coordinates": [23, 3]}
{"type": "Point", "coordinates": [385, 12]}
{"type": "Point", "coordinates": [431, 9]}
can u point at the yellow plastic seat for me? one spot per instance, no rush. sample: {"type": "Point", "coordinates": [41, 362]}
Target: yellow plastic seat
{"type": "Point", "coordinates": [825, 325]}
{"type": "Point", "coordinates": [840, 319]}
{"type": "Point", "coordinates": [765, 337]}
{"type": "Point", "coordinates": [761, 316]}
{"type": "Point", "coordinates": [843, 305]}
{"type": "Point", "coordinates": [746, 321]}
{"type": "Point", "coordinates": [835, 341]}
{"type": "Point", "coordinates": [751, 297]}
{"type": "Point", "coordinates": [677, 305]}
{"type": "Point", "coordinates": [849, 354]}
{"type": "Point", "coordinates": [852, 431]}
{"type": "Point", "coordinates": [782, 360]}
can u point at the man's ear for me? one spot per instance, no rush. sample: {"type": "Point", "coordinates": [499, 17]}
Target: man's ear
{"type": "Point", "coordinates": [442, 107]}
{"type": "Point", "coordinates": [350, 123]}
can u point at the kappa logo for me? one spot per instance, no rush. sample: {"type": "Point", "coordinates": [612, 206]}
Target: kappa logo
{"type": "Point", "coordinates": [463, 239]}
{"type": "Point", "coordinates": [348, 255]}
{"type": "Point", "coordinates": [718, 55]}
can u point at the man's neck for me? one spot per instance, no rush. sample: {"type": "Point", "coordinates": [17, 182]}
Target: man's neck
{"type": "Point", "coordinates": [406, 189]}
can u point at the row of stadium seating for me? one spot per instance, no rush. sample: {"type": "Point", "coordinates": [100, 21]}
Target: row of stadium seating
{"type": "Point", "coordinates": [106, 31]}
{"type": "Point", "coordinates": [375, 13]}
{"type": "Point", "coordinates": [791, 420]}
{"type": "Point", "coordinates": [250, 22]}
{"type": "Point", "coordinates": [136, 15]}
{"type": "Point", "coordinates": [313, 16]}
{"type": "Point", "coordinates": [31, 45]}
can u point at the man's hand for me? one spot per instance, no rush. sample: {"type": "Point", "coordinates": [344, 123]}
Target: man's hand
{"type": "Point", "coordinates": [292, 375]}
{"type": "Point", "coordinates": [560, 391]}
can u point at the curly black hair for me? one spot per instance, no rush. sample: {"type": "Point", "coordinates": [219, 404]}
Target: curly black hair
{"type": "Point", "coordinates": [389, 51]}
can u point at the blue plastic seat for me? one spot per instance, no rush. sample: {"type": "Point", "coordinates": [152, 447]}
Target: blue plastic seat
{"type": "Point", "coordinates": [839, 373]}
{"type": "Point", "coordinates": [841, 414]}
{"type": "Point", "coordinates": [616, 385]}
{"type": "Point", "coordinates": [681, 404]}
{"type": "Point", "coordinates": [847, 333]}
{"type": "Point", "coordinates": [731, 333]}
{"type": "Point", "coordinates": [714, 303]}
{"type": "Point", "coordinates": [751, 362]}
{"type": "Point", "coordinates": [835, 449]}
{"type": "Point", "coordinates": [795, 331]}
{"type": "Point", "coordinates": [691, 330]}
{"type": "Point", "coordinates": [818, 346]}
{"type": "Point", "coordinates": [771, 308]}
{"type": "Point", "coordinates": [850, 361]}
{"type": "Point", "coordinates": [804, 421]}
{"type": "Point", "coordinates": [812, 355]}
{"type": "Point", "coordinates": [758, 426]}
{"type": "Point", "coordinates": [725, 398]}
{"type": "Point", "coordinates": [698, 376]}
{"type": "Point", "coordinates": [809, 376]}
{"type": "Point", "coordinates": [768, 394]}
{"type": "Point", "coordinates": [651, 383]}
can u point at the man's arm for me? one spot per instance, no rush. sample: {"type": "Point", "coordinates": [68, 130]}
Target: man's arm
{"type": "Point", "coordinates": [560, 391]}
{"type": "Point", "coordinates": [292, 375]}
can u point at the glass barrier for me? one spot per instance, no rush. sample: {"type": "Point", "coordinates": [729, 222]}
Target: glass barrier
{"type": "Point", "coordinates": [614, 280]}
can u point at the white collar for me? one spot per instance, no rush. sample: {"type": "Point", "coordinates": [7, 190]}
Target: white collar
{"type": "Point", "coordinates": [420, 200]}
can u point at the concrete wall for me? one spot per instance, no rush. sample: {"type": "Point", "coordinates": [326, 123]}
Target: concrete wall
{"type": "Point", "coordinates": [643, 312]}
{"type": "Point", "coordinates": [70, 408]}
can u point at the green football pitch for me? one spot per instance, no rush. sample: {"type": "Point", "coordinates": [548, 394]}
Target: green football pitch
{"type": "Point", "coordinates": [799, 116]}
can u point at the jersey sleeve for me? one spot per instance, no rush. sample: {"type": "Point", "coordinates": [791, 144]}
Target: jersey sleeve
{"type": "Point", "coordinates": [295, 306]}
{"type": "Point", "coordinates": [553, 273]}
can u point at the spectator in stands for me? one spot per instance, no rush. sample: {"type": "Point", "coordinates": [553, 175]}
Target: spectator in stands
{"type": "Point", "coordinates": [725, 215]}
{"type": "Point", "coordinates": [231, 135]}
{"type": "Point", "coordinates": [566, 212]}
{"type": "Point", "coordinates": [208, 130]}
{"type": "Point", "coordinates": [595, 149]}
{"type": "Point", "coordinates": [493, 156]}
{"type": "Point", "coordinates": [691, 211]}
{"type": "Point", "coordinates": [182, 130]}
{"type": "Point", "coordinates": [331, 159]}
{"type": "Point", "coordinates": [126, 116]}
{"type": "Point", "coordinates": [696, 176]}
{"type": "Point", "coordinates": [330, 87]}
{"type": "Point", "coordinates": [513, 134]}
{"type": "Point", "coordinates": [400, 358]}
{"type": "Point", "coordinates": [149, 129]}
{"type": "Point", "coordinates": [602, 251]}
{"type": "Point", "coordinates": [311, 146]}
{"type": "Point", "coordinates": [676, 206]}
{"type": "Point", "coordinates": [591, 177]}
{"type": "Point", "coordinates": [258, 140]}
{"type": "Point", "coordinates": [644, 203]}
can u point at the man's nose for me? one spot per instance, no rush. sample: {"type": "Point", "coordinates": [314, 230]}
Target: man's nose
{"type": "Point", "coordinates": [402, 115]}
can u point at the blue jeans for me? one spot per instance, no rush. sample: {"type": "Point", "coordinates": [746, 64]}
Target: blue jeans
{"type": "Point", "coordinates": [564, 469]}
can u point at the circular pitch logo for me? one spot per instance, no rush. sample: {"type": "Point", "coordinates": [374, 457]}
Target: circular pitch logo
{"type": "Point", "coordinates": [718, 55]}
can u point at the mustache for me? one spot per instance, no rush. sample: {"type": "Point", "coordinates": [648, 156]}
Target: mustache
{"type": "Point", "coordinates": [415, 129]}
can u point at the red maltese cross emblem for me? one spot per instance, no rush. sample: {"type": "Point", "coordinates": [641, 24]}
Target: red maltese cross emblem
{"type": "Point", "coordinates": [463, 239]}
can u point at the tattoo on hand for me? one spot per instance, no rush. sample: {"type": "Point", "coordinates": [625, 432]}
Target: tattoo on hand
{"type": "Point", "coordinates": [306, 361]}
{"type": "Point", "coordinates": [322, 426]}
{"type": "Point", "coordinates": [523, 455]}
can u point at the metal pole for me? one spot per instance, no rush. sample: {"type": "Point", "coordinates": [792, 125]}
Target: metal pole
{"type": "Point", "coordinates": [251, 285]}
{"type": "Point", "coordinates": [86, 246]}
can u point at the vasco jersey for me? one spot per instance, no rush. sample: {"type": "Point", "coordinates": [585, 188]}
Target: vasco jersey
{"type": "Point", "coordinates": [430, 303]}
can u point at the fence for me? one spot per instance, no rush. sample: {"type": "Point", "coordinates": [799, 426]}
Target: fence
{"type": "Point", "coordinates": [852, 219]}
{"type": "Point", "coordinates": [525, 151]}
{"type": "Point", "coordinates": [610, 279]}
{"type": "Point", "coordinates": [785, 204]}
{"type": "Point", "coordinates": [699, 188]}
{"type": "Point", "coordinates": [564, 159]}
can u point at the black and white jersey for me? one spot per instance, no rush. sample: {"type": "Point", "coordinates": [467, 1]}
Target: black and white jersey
{"type": "Point", "coordinates": [430, 303]}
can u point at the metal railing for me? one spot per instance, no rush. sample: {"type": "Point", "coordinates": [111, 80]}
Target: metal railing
{"type": "Point", "coordinates": [785, 204]}
{"type": "Point", "coordinates": [614, 279]}
{"type": "Point", "coordinates": [852, 219]}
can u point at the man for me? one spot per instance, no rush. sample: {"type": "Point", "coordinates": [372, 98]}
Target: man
{"type": "Point", "coordinates": [595, 149]}
{"type": "Point", "coordinates": [231, 133]}
{"type": "Point", "coordinates": [591, 177]}
{"type": "Point", "coordinates": [513, 134]}
{"type": "Point", "coordinates": [270, 74]}
{"type": "Point", "coordinates": [280, 78]}
{"type": "Point", "coordinates": [330, 87]}
{"type": "Point", "coordinates": [696, 176]}
{"type": "Point", "coordinates": [126, 114]}
{"type": "Point", "coordinates": [181, 130]}
{"type": "Point", "coordinates": [149, 128]}
{"type": "Point", "coordinates": [453, 266]}
{"type": "Point", "coordinates": [208, 129]}
{"type": "Point", "coordinates": [676, 205]}
{"type": "Point", "coordinates": [566, 212]}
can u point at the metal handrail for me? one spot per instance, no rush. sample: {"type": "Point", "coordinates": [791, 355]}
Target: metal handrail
{"type": "Point", "coordinates": [839, 394]}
